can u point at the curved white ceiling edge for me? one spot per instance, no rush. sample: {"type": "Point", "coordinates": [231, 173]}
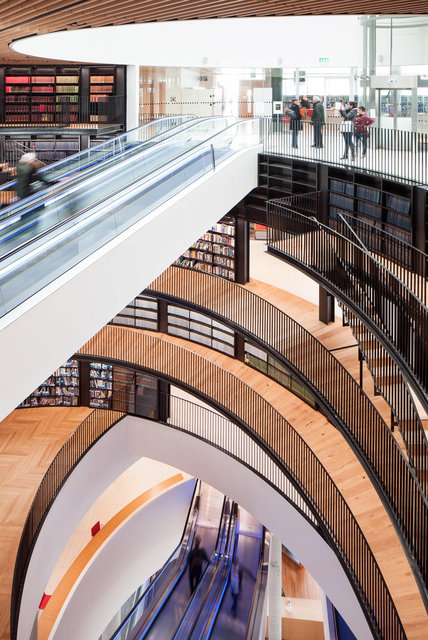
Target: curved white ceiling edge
{"type": "Point", "coordinates": [241, 42]}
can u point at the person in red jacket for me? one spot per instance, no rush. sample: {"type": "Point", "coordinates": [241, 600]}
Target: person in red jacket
{"type": "Point", "coordinates": [361, 122]}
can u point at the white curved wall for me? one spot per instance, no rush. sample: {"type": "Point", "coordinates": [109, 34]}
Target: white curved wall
{"type": "Point", "coordinates": [103, 463]}
{"type": "Point", "coordinates": [135, 437]}
{"type": "Point", "coordinates": [128, 558]}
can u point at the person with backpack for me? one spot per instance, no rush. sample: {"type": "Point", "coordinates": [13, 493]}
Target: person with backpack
{"type": "Point", "coordinates": [318, 121]}
{"type": "Point", "coordinates": [347, 127]}
{"type": "Point", "coordinates": [295, 122]}
{"type": "Point", "coordinates": [361, 122]}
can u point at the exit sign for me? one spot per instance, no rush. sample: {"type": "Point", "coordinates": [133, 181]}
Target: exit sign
{"type": "Point", "coordinates": [322, 59]}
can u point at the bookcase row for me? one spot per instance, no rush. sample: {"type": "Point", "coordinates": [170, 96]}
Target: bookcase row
{"type": "Point", "coordinates": [214, 252]}
{"type": "Point", "coordinates": [42, 94]}
{"type": "Point", "coordinates": [385, 203]}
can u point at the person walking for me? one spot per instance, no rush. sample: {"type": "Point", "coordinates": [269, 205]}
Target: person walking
{"type": "Point", "coordinates": [318, 121]}
{"type": "Point", "coordinates": [361, 122]}
{"type": "Point", "coordinates": [27, 173]}
{"type": "Point", "coordinates": [295, 122]}
{"type": "Point", "coordinates": [235, 585]}
{"type": "Point", "coordinates": [347, 127]}
{"type": "Point", "coordinates": [196, 557]}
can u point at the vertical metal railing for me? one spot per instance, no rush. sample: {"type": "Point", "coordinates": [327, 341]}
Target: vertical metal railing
{"type": "Point", "coordinates": [282, 445]}
{"type": "Point", "coordinates": [328, 381]}
{"type": "Point", "coordinates": [389, 152]}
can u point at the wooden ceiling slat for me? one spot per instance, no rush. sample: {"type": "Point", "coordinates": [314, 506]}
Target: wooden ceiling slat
{"type": "Point", "coordinates": [18, 19]}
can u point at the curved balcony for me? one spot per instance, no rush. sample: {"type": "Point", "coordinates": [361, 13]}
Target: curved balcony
{"type": "Point", "coordinates": [339, 395]}
{"type": "Point", "coordinates": [261, 422]}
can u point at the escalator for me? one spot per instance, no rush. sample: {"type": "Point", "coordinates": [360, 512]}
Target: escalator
{"type": "Point", "coordinates": [207, 612]}
{"type": "Point", "coordinates": [76, 220]}
{"type": "Point", "coordinates": [244, 620]}
{"type": "Point", "coordinates": [79, 179]}
{"type": "Point", "coordinates": [170, 590]}
{"type": "Point", "coordinates": [199, 613]}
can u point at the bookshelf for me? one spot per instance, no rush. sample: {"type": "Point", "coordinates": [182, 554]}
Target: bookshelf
{"type": "Point", "coordinates": [60, 389]}
{"type": "Point", "coordinates": [214, 252]}
{"type": "Point", "coordinates": [101, 88]}
{"type": "Point", "coordinates": [100, 384]}
{"type": "Point", "coordinates": [62, 95]}
{"type": "Point", "coordinates": [383, 203]}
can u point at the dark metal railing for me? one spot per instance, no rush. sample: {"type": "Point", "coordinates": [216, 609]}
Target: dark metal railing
{"type": "Point", "coordinates": [397, 256]}
{"type": "Point", "coordinates": [389, 152]}
{"type": "Point", "coordinates": [372, 293]}
{"type": "Point", "coordinates": [342, 399]}
{"type": "Point", "coordinates": [407, 263]}
{"type": "Point", "coordinates": [263, 426]}
{"type": "Point", "coordinates": [92, 428]}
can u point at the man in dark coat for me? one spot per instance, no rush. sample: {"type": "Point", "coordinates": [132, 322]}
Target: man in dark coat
{"type": "Point", "coordinates": [295, 122]}
{"type": "Point", "coordinates": [318, 120]}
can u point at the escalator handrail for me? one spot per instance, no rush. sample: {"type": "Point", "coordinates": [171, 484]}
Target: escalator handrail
{"type": "Point", "coordinates": [56, 164]}
{"type": "Point", "coordinates": [170, 164]}
{"type": "Point", "coordinates": [36, 198]}
{"type": "Point", "coordinates": [230, 538]}
{"type": "Point", "coordinates": [260, 585]}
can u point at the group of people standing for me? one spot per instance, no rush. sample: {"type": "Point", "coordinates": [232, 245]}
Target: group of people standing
{"type": "Point", "coordinates": [354, 126]}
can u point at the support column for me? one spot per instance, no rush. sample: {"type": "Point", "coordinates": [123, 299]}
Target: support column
{"type": "Point", "coordinates": [132, 96]}
{"type": "Point", "coordinates": [275, 600]}
{"type": "Point", "coordinates": [372, 60]}
{"type": "Point", "coordinates": [242, 246]}
{"type": "Point", "coordinates": [84, 369]}
{"type": "Point", "coordinates": [276, 84]}
{"type": "Point", "coordinates": [326, 306]}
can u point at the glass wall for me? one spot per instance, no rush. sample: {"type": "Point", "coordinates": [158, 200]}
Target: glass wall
{"type": "Point", "coordinates": [389, 77]}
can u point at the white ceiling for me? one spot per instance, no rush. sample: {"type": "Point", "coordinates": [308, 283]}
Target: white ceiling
{"type": "Point", "coordinates": [244, 42]}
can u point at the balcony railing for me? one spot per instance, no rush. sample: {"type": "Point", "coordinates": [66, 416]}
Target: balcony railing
{"type": "Point", "coordinates": [342, 399]}
{"type": "Point", "coordinates": [399, 154]}
{"type": "Point", "coordinates": [92, 428]}
{"type": "Point", "coordinates": [260, 424]}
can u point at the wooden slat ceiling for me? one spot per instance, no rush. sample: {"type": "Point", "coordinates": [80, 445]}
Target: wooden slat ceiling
{"type": "Point", "coordinates": [19, 19]}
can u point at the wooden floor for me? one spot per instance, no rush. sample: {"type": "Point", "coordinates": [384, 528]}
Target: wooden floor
{"type": "Point", "coordinates": [324, 440]}
{"type": "Point", "coordinates": [29, 440]}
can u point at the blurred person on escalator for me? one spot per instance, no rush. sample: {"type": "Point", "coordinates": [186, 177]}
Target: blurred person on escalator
{"type": "Point", "coordinates": [27, 175]}
{"type": "Point", "coordinates": [235, 585]}
{"type": "Point", "coordinates": [196, 557]}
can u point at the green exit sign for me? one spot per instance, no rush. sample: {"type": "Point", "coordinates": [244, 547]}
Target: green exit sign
{"type": "Point", "coordinates": [323, 59]}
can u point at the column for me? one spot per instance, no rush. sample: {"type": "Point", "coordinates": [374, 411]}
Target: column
{"type": "Point", "coordinates": [275, 600]}
{"type": "Point", "coordinates": [132, 96]}
{"type": "Point", "coordinates": [276, 84]}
